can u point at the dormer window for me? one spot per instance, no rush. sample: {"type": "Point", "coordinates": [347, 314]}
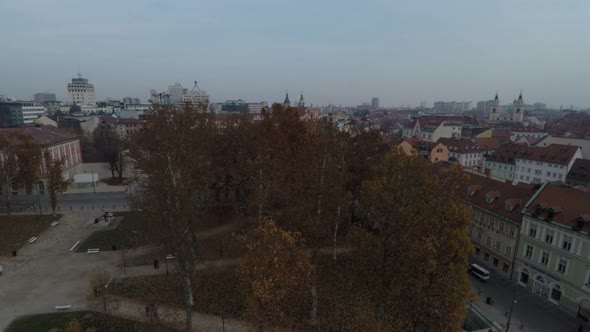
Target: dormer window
{"type": "Point", "coordinates": [491, 196]}
{"type": "Point", "coordinates": [472, 190]}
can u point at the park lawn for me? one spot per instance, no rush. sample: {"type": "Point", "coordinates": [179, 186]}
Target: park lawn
{"type": "Point", "coordinates": [88, 320]}
{"type": "Point", "coordinates": [16, 230]}
{"type": "Point", "coordinates": [132, 232]}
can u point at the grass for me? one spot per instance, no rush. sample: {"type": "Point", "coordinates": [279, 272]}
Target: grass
{"type": "Point", "coordinates": [88, 320]}
{"type": "Point", "coordinates": [16, 230]}
{"type": "Point", "coordinates": [132, 232]}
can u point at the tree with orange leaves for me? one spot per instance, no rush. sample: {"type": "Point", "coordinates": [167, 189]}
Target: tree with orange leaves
{"type": "Point", "coordinates": [275, 274]}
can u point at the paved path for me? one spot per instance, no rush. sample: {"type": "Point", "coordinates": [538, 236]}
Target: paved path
{"type": "Point", "coordinates": [46, 273]}
{"type": "Point", "coordinates": [534, 312]}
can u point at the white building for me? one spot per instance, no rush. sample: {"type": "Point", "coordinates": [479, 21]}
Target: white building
{"type": "Point", "coordinates": [31, 113]}
{"type": "Point", "coordinates": [540, 164]}
{"type": "Point", "coordinates": [256, 107]}
{"type": "Point", "coordinates": [431, 129]}
{"type": "Point", "coordinates": [176, 93]}
{"type": "Point", "coordinates": [197, 98]}
{"type": "Point", "coordinates": [465, 151]}
{"type": "Point", "coordinates": [81, 92]}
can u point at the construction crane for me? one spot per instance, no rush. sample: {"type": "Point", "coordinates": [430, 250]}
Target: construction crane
{"type": "Point", "coordinates": [197, 87]}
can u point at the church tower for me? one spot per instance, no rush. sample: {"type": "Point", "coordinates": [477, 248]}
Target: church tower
{"type": "Point", "coordinates": [518, 115]}
{"type": "Point", "coordinates": [495, 112]}
{"type": "Point", "coordinates": [287, 102]}
{"type": "Point", "coordinates": [301, 103]}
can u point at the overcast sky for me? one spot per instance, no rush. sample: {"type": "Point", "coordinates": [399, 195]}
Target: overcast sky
{"type": "Point", "coordinates": [341, 52]}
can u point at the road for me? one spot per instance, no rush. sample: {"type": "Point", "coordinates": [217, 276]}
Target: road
{"type": "Point", "coordinates": [536, 313]}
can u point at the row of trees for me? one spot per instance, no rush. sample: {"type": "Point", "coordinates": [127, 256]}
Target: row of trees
{"type": "Point", "coordinates": [301, 185]}
{"type": "Point", "coordinates": [21, 160]}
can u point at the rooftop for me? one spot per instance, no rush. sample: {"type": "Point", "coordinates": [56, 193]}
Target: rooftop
{"type": "Point", "coordinates": [460, 145]}
{"type": "Point", "coordinates": [580, 171]}
{"type": "Point", "coordinates": [43, 135]}
{"type": "Point", "coordinates": [554, 153]}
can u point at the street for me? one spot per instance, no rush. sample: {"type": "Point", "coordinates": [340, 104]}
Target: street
{"type": "Point", "coordinates": [534, 312]}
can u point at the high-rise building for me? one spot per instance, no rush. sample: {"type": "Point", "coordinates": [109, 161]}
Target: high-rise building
{"type": "Point", "coordinates": [19, 113]}
{"type": "Point", "coordinates": [176, 93]}
{"type": "Point", "coordinates": [484, 106]}
{"type": "Point", "coordinates": [43, 97]}
{"type": "Point", "coordinates": [256, 107]}
{"type": "Point", "coordinates": [131, 101]}
{"type": "Point", "coordinates": [375, 103]}
{"type": "Point", "coordinates": [452, 106]}
{"type": "Point", "coordinates": [81, 92]}
{"type": "Point", "coordinates": [197, 98]}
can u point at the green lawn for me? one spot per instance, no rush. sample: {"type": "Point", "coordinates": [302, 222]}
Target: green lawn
{"type": "Point", "coordinates": [88, 320]}
{"type": "Point", "coordinates": [132, 232]}
{"type": "Point", "coordinates": [16, 230]}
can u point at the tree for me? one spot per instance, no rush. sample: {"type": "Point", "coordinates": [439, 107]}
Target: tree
{"type": "Point", "coordinates": [100, 297]}
{"type": "Point", "coordinates": [110, 147]}
{"type": "Point", "coordinates": [173, 157]}
{"type": "Point", "coordinates": [56, 184]}
{"type": "Point", "coordinates": [412, 246]}
{"type": "Point", "coordinates": [275, 274]}
{"type": "Point", "coordinates": [73, 326]}
{"type": "Point", "coordinates": [20, 158]}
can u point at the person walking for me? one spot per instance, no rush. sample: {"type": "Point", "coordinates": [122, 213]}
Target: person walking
{"type": "Point", "coordinates": [156, 264]}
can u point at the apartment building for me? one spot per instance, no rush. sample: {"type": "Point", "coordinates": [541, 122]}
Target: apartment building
{"type": "Point", "coordinates": [539, 164]}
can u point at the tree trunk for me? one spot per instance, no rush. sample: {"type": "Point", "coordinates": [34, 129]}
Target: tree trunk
{"type": "Point", "coordinates": [336, 231]}
{"type": "Point", "coordinates": [8, 200]}
{"type": "Point", "coordinates": [188, 302]}
{"type": "Point", "coordinates": [314, 288]}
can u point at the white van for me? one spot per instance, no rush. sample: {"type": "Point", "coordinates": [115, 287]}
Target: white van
{"type": "Point", "coordinates": [479, 272]}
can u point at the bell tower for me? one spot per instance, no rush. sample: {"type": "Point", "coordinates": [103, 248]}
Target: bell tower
{"type": "Point", "coordinates": [518, 115]}
{"type": "Point", "coordinates": [495, 112]}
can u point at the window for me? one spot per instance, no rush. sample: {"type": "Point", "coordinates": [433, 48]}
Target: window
{"type": "Point", "coordinates": [562, 265]}
{"type": "Point", "coordinates": [528, 252]}
{"type": "Point", "coordinates": [505, 267]}
{"type": "Point", "coordinates": [549, 237]}
{"type": "Point", "coordinates": [499, 246]}
{"type": "Point", "coordinates": [548, 173]}
{"type": "Point", "coordinates": [479, 234]}
{"type": "Point", "coordinates": [524, 277]}
{"type": "Point", "coordinates": [489, 241]}
{"type": "Point", "coordinates": [486, 256]}
{"type": "Point", "coordinates": [477, 250]}
{"type": "Point", "coordinates": [528, 170]}
{"type": "Point", "coordinates": [538, 172]}
{"type": "Point", "coordinates": [555, 294]}
{"type": "Point", "coordinates": [567, 243]}
{"type": "Point", "coordinates": [533, 231]}
{"type": "Point", "coordinates": [501, 227]}
{"type": "Point", "coordinates": [495, 261]}
{"type": "Point", "coordinates": [508, 250]}
{"type": "Point", "coordinates": [544, 258]}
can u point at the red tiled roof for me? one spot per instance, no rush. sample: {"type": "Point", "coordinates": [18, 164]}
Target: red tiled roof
{"type": "Point", "coordinates": [517, 195]}
{"type": "Point", "coordinates": [554, 153]}
{"type": "Point", "coordinates": [44, 135]}
{"type": "Point", "coordinates": [567, 204]}
{"type": "Point", "coordinates": [507, 153]}
{"type": "Point", "coordinates": [489, 143]}
{"type": "Point", "coordinates": [580, 171]}
{"type": "Point", "coordinates": [460, 145]}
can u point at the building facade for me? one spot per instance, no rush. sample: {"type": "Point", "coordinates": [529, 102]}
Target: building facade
{"type": "Point", "coordinates": [44, 97]}
{"type": "Point", "coordinates": [516, 113]}
{"type": "Point", "coordinates": [375, 103]}
{"type": "Point", "coordinates": [465, 151]}
{"type": "Point", "coordinates": [175, 93]}
{"type": "Point", "coordinates": [81, 92]}
{"type": "Point", "coordinates": [539, 164]}
{"type": "Point", "coordinates": [553, 259]}
{"type": "Point", "coordinates": [433, 128]}
{"type": "Point", "coordinates": [496, 221]}
{"type": "Point", "coordinates": [19, 113]}
{"type": "Point", "coordinates": [197, 98]}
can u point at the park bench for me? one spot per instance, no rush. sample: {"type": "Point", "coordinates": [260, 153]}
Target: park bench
{"type": "Point", "coordinates": [63, 307]}
{"type": "Point", "coordinates": [33, 239]}
{"type": "Point", "coordinates": [170, 256]}
{"type": "Point", "coordinates": [93, 251]}
{"type": "Point", "coordinates": [53, 224]}
{"type": "Point", "coordinates": [75, 245]}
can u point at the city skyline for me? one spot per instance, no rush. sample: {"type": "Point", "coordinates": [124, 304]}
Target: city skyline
{"type": "Point", "coordinates": [341, 53]}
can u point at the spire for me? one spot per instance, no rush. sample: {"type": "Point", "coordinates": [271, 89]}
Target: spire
{"type": "Point", "coordinates": [287, 101]}
{"type": "Point", "coordinates": [496, 95]}
{"type": "Point", "coordinates": [301, 101]}
{"type": "Point", "coordinates": [520, 95]}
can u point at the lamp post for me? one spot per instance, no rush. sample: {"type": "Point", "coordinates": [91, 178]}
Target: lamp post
{"type": "Point", "coordinates": [510, 314]}
{"type": "Point", "coordinates": [39, 200]}
{"type": "Point", "coordinates": [93, 185]}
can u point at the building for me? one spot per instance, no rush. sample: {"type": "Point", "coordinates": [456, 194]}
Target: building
{"type": "Point", "coordinates": [553, 257]}
{"type": "Point", "coordinates": [501, 164]}
{"type": "Point", "coordinates": [496, 221]}
{"type": "Point", "coordinates": [44, 97]}
{"type": "Point", "coordinates": [579, 174]}
{"type": "Point", "coordinates": [434, 152]}
{"type": "Point", "coordinates": [452, 106]}
{"type": "Point", "coordinates": [287, 102]}
{"type": "Point", "coordinates": [81, 92]}
{"type": "Point", "coordinates": [432, 128]}
{"type": "Point", "coordinates": [484, 106]}
{"type": "Point", "coordinates": [256, 108]}
{"type": "Point", "coordinates": [175, 93]}
{"type": "Point", "coordinates": [540, 164]}
{"type": "Point", "coordinates": [465, 151]}
{"type": "Point", "coordinates": [81, 125]}
{"type": "Point", "coordinates": [301, 103]}
{"type": "Point", "coordinates": [19, 113]}
{"type": "Point", "coordinates": [584, 144]}
{"type": "Point", "coordinates": [515, 115]}
{"type": "Point", "coordinates": [234, 106]}
{"type": "Point", "coordinates": [59, 143]}
{"type": "Point", "coordinates": [131, 101]}
{"type": "Point", "coordinates": [375, 103]}
{"type": "Point", "coordinates": [197, 98]}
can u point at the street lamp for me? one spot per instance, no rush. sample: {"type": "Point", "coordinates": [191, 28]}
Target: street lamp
{"type": "Point", "coordinates": [510, 314]}
{"type": "Point", "coordinates": [39, 200]}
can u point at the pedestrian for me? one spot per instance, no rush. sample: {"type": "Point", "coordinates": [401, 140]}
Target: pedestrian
{"type": "Point", "coordinates": [156, 264]}
{"type": "Point", "coordinates": [581, 328]}
{"type": "Point", "coordinates": [1, 271]}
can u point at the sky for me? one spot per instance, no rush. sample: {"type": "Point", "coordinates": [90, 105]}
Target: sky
{"type": "Point", "coordinates": [336, 52]}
